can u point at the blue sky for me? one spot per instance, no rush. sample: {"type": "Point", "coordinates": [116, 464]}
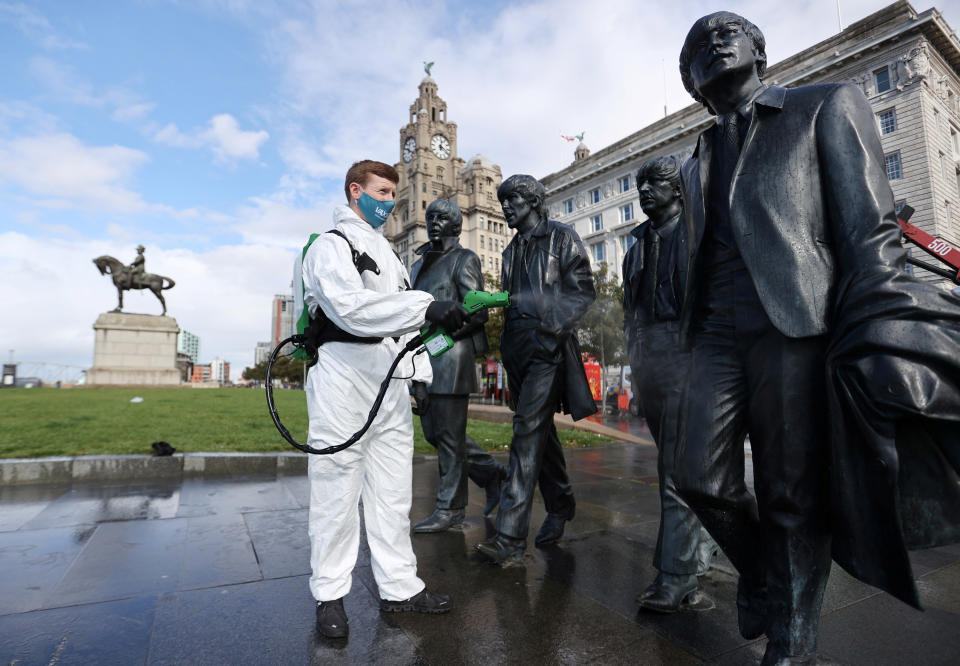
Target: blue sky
{"type": "Point", "coordinates": [217, 132]}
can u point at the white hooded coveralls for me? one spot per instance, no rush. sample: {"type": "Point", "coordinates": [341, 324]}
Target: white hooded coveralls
{"type": "Point", "coordinates": [341, 388]}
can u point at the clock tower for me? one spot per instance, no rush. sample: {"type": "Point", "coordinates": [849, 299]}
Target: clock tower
{"type": "Point", "coordinates": [430, 169]}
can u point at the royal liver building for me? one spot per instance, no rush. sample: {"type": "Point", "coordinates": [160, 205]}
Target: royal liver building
{"type": "Point", "coordinates": [907, 64]}
{"type": "Point", "coordinates": [430, 169]}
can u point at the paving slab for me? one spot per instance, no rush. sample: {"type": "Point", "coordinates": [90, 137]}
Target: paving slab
{"type": "Point", "coordinates": [33, 562]}
{"type": "Point", "coordinates": [96, 502]}
{"type": "Point", "coordinates": [111, 633]}
{"type": "Point", "coordinates": [270, 622]}
{"type": "Point", "coordinates": [215, 570]}
{"type": "Point", "coordinates": [280, 541]}
{"type": "Point", "coordinates": [23, 503]}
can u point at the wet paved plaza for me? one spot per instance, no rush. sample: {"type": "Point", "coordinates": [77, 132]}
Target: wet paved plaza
{"type": "Point", "coordinates": [214, 571]}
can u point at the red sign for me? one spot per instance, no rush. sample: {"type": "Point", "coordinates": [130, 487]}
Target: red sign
{"type": "Point", "coordinates": [593, 376]}
{"type": "Point", "coordinates": [491, 366]}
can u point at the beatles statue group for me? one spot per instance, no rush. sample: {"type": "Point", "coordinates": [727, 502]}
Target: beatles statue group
{"type": "Point", "coordinates": [765, 295]}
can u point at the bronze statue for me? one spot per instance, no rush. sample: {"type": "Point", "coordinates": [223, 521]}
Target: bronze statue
{"type": "Point", "coordinates": [133, 276]}
{"type": "Point", "coordinates": [805, 330]}
{"type": "Point", "coordinates": [448, 271]}
{"type": "Point", "coordinates": [546, 270]}
{"type": "Point", "coordinates": [654, 275]}
{"type": "Point", "coordinates": [138, 265]}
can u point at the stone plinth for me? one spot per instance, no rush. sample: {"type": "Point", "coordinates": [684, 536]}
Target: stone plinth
{"type": "Point", "coordinates": [134, 349]}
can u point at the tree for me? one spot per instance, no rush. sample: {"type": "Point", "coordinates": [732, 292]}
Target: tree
{"type": "Point", "coordinates": [257, 372]}
{"type": "Point", "coordinates": [287, 369]}
{"type": "Point", "coordinates": [601, 328]}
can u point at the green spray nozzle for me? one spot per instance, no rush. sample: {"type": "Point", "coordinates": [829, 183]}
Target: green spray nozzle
{"type": "Point", "coordinates": [437, 340]}
{"type": "Point", "coordinates": [475, 301]}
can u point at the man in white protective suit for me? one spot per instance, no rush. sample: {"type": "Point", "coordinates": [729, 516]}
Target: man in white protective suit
{"type": "Point", "coordinates": [377, 311]}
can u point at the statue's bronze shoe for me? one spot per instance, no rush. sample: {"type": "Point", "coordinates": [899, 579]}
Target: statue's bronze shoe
{"type": "Point", "coordinates": [440, 520]}
{"type": "Point", "coordinates": [670, 593]}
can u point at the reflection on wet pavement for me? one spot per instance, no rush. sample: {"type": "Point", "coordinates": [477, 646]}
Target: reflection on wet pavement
{"type": "Point", "coordinates": [215, 571]}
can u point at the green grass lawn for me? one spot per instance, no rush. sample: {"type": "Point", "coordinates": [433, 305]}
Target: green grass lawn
{"type": "Point", "coordinates": [71, 422]}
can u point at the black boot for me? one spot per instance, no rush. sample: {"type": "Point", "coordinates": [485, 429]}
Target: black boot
{"type": "Point", "coordinates": [502, 550]}
{"type": "Point", "coordinates": [424, 602]}
{"type": "Point", "coordinates": [551, 530]}
{"type": "Point", "coordinates": [332, 619]}
{"type": "Point", "coordinates": [440, 520]}
{"type": "Point", "coordinates": [751, 610]}
{"type": "Point", "coordinates": [669, 593]}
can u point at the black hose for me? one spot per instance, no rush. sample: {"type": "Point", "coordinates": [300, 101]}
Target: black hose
{"type": "Point", "coordinates": [297, 340]}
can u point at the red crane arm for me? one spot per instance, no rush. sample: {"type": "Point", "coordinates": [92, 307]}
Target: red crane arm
{"type": "Point", "coordinates": [935, 247]}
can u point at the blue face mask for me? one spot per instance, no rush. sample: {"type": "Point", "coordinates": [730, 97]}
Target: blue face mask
{"type": "Point", "coordinates": [376, 212]}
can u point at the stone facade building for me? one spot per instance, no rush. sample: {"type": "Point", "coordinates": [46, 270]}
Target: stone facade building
{"type": "Point", "coordinates": [907, 64]}
{"type": "Point", "coordinates": [430, 169]}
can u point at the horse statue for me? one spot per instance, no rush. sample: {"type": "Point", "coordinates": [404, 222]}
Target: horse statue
{"type": "Point", "coordinates": [123, 279]}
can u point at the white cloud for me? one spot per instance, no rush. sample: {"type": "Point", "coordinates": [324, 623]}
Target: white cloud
{"type": "Point", "coordinates": [17, 116]}
{"type": "Point", "coordinates": [132, 112]}
{"type": "Point", "coordinates": [229, 142]}
{"type": "Point", "coordinates": [223, 295]}
{"type": "Point", "coordinates": [171, 135]}
{"type": "Point", "coordinates": [514, 78]}
{"type": "Point", "coordinates": [66, 173]}
{"type": "Point", "coordinates": [271, 221]}
{"type": "Point", "coordinates": [222, 135]}
{"type": "Point", "coordinates": [62, 81]}
{"type": "Point", "coordinates": [36, 26]}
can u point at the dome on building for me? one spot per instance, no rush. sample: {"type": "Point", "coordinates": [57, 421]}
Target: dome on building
{"type": "Point", "coordinates": [480, 161]}
{"type": "Point", "coordinates": [428, 79]}
{"type": "Point", "coordinates": [582, 152]}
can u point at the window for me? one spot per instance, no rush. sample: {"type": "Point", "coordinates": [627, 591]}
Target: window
{"type": "Point", "coordinates": [894, 171]}
{"type": "Point", "coordinates": [568, 206]}
{"type": "Point", "coordinates": [423, 187]}
{"type": "Point", "coordinates": [596, 223]}
{"type": "Point", "coordinates": [595, 196]}
{"type": "Point", "coordinates": [481, 243]}
{"type": "Point", "coordinates": [626, 242]}
{"type": "Point", "coordinates": [439, 172]}
{"type": "Point", "coordinates": [955, 142]}
{"type": "Point", "coordinates": [597, 250]}
{"type": "Point", "coordinates": [888, 121]}
{"type": "Point", "coordinates": [496, 263]}
{"type": "Point", "coordinates": [882, 77]}
{"type": "Point", "coordinates": [943, 165]}
{"type": "Point", "coordinates": [626, 212]}
{"type": "Point", "coordinates": [936, 120]}
{"type": "Point", "coordinates": [624, 184]}
{"type": "Point", "coordinates": [489, 262]}
{"type": "Point", "coordinates": [480, 188]}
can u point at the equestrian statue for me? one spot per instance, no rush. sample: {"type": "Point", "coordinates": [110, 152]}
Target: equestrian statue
{"type": "Point", "coordinates": [133, 277]}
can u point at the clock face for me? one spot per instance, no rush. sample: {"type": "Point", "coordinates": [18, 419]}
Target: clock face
{"type": "Point", "coordinates": [408, 147]}
{"type": "Point", "coordinates": [440, 146]}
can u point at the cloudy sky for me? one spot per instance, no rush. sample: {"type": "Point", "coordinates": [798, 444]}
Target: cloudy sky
{"type": "Point", "coordinates": [217, 132]}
